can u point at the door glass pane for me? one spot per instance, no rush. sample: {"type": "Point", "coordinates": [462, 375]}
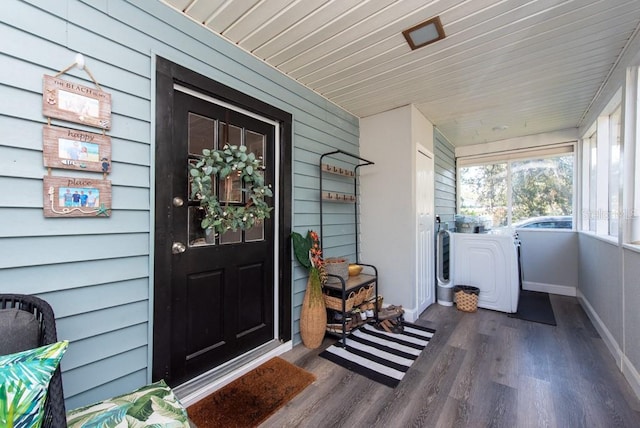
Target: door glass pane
{"type": "Point", "coordinates": [231, 190]}
{"type": "Point", "coordinates": [231, 237]}
{"type": "Point", "coordinates": [190, 180]}
{"type": "Point", "coordinates": [231, 135]}
{"type": "Point", "coordinates": [230, 187]}
{"type": "Point", "coordinates": [255, 143]}
{"type": "Point", "coordinates": [256, 233]}
{"type": "Point", "coordinates": [197, 235]}
{"type": "Point", "coordinates": [201, 136]}
{"type": "Point", "coordinates": [201, 133]}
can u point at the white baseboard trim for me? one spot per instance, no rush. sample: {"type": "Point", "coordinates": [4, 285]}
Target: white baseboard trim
{"type": "Point", "coordinates": [631, 374]}
{"type": "Point", "coordinates": [563, 290]}
{"type": "Point", "coordinates": [604, 332]}
{"type": "Point", "coordinates": [410, 315]}
{"type": "Point", "coordinates": [626, 367]}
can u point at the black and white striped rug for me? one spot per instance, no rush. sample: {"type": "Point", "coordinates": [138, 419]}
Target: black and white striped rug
{"type": "Point", "coordinates": [380, 356]}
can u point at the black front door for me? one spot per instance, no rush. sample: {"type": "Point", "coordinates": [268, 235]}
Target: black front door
{"type": "Point", "coordinates": [215, 293]}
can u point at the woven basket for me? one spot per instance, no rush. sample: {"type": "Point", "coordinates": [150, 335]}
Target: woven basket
{"type": "Point", "coordinates": [360, 296]}
{"type": "Point", "coordinates": [336, 266]}
{"type": "Point", "coordinates": [335, 303]}
{"type": "Point", "coordinates": [371, 288]}
{"type": "Point", "coordinates": [313, 321]}
{"type": "Point", "coordinates": [466, 298]}
{"type": "Point", "coordinates": [379, 300]}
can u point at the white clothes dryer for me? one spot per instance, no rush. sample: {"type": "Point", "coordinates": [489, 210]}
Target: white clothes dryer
{"type": "Point", "coordinates": [488, 261]}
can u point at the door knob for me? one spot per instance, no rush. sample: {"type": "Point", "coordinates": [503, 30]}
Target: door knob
{"type": "Point", "coordinates": [178, 202]}
{"type": "Point", "coordinates": [178, 247]}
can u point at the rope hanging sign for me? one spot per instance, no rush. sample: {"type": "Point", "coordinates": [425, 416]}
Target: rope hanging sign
{"type": "Point", "coordinates": [76, 103]}
{"type": "Point", "coordinates": [76, 149]}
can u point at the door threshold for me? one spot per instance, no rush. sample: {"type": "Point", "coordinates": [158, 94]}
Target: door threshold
{"type": "Point", "coordinates": [199, 387]}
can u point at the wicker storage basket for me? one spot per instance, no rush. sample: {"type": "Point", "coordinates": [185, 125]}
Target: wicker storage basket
{"type": "Point", "coordinates": [336, 266]}
{"type": "Point", "coordinates": [360, 296]}
{"type": "Point", "coordinates": [371, 288]}
{"type": "Point", "coordinates": [466, 297]}
{"type": "Point", "coordinates": [379, 302]}
{"type": "Point", "coordinates": [335, 303]}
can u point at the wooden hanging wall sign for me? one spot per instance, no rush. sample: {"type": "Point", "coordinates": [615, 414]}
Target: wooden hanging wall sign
{"type": "Point", "coordinates": [76, 197]}
{"type": "Point", "coordinates": [73, 149]}
{"type": "Point", "coordinates": [76, 103]}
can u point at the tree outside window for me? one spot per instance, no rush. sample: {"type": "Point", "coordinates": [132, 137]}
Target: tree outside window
{"type": "Point", "coordinates": [483, 192]}
{"type": "Point", "coordinates": [509, 192]}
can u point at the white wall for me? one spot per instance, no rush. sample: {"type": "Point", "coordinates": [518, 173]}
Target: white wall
{"type": "Point", "coordinates": [386, 202]}
{"type": "Point", "coordinates": [609, 272]}
{"type": "Point", "coordinates": [388, 219]}
{"type": "Point", "coordinates": [550, 260]}
{"type": "Point", "coordinates": [631, 317]}
{"type": "Point", "coordinates": [603, 294]}
{"type": "Point", "coordinates": [421, 130]}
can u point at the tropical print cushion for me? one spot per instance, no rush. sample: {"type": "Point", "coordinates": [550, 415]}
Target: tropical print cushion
{"type": "Point", "coordinates": [153, 405]}
{"type": "Point", "coordinates": [24, 379]}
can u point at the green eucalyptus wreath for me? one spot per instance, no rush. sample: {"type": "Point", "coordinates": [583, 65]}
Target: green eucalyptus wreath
{"type": "Point", "coordinates": [224, 164]}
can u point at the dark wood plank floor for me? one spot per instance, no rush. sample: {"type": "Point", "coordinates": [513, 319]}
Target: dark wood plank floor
{"type": "Point", "coordinates": [481, 369]}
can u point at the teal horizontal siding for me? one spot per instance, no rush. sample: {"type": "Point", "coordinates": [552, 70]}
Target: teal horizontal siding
{"type": "Point", "coordinates": [27, 105]}
{"type": "Point", "coordinates": [96, 272]}
{"type": "Point", "coordinates": [445, 178]}
{"type": "Point", "coordinates": [31, 280]}
{"type": "Point", "coordinates": [45, 250]}
{"type": "Point", "coordinates": [92, 298]}
{"type": "Point", "coordinates": [100, 321]}
{"type": "Point", "coordinates": [100, 391]}
{"type": "Point", "coordinates": [103, 371]}
{"type": "Point", "coordinates": [125, 198]}
{"type": "Point", "coordinates": [11, 221]}
{"type": "Point", "coordinates": [97, 348]}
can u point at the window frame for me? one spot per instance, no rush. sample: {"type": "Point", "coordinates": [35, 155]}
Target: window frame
{"type": "Point", "coordinates": [598, 211]}
{"type": "Point", "coordinates": [630, 191]}
{"type": "Point", "coordinates": [615, 171]}
{"type": "Point", "coordinates": [516, 155]}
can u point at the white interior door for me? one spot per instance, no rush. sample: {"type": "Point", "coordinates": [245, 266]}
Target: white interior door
{"type": "Point", "coordinates": [425, 278]}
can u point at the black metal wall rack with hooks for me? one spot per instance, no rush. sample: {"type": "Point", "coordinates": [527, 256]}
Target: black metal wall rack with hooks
{"type": "Point", "coordinates": [362, 280]}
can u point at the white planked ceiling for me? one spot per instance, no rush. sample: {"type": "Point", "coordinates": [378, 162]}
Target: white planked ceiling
{"type": "Point", "coordinates": [532, 65]}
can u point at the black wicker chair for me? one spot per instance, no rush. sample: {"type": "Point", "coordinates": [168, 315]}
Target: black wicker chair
{"type": "Point", "coordinates": [55, 413]}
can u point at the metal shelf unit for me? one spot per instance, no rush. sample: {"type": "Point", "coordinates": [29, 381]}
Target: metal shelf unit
{"type": "Point", "coordinates": [356, 282]}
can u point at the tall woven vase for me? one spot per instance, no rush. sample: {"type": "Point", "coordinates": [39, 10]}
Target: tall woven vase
{"type": "Point", "coordinates": [313, 316]}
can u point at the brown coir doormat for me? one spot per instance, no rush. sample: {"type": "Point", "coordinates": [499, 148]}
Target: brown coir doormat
{"type": "Point", "coordinates": [252, 398]}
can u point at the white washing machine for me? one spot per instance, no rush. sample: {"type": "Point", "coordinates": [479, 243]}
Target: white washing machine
{"type": "Point", "coordinates": [488, 261]}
